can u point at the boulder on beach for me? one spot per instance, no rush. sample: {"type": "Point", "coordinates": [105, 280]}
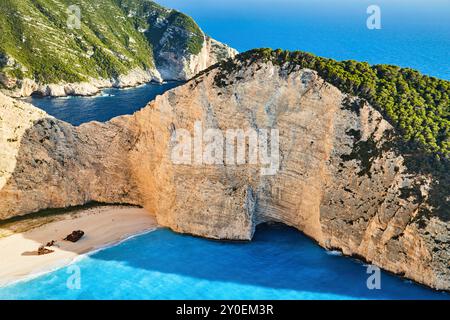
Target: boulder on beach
{"type": "Point", "coordinates": [74, 236]}
{"type": "Point", "coordinates": [43, 250]}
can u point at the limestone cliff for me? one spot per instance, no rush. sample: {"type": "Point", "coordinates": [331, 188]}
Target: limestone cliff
{"type": "Point", "coordinates": [343, 178]}
{"type": "Point", "coordinates": [180, 48]}
{"type": "Point", "coordinates": [182, 65]}
{"type": "Point", "coordinates": [47, 163]}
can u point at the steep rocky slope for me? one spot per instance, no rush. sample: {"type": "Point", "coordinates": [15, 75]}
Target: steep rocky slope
{"type": "Point", "coordinates": [47, 163]}
{"type": "Point", "coordinates": [344, 177]}
{"type": "Point", "coordinates": [180, 48]}
{"type": "Point", "coordinates": [118, 43]}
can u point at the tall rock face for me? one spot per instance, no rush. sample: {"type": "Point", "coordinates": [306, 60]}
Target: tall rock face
{"type": "Point", "coordinates": [341, 178]}
{"type": "Point", "coordinates": [180, 47]}
{"type": "Point", "coordinates": [47, 163]}
{"type": "Point", "coordinates": [182, 65]}
{"type": "Point", "coordinates": [54, 48]}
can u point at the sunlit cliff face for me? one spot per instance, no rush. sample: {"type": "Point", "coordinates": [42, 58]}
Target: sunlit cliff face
{"type": "Point", "coordinates": [339, 181]}
{"type": "Point", "coordinates": [15, 119]}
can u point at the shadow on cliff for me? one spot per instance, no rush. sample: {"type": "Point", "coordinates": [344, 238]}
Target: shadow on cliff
{"type": "Point", "coordinates": [39, 167]}
{"type": "Point", "coordinates": [58, 168]}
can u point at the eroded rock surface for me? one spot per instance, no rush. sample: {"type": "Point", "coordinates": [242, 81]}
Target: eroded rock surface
{"type": "Point", "coordinates": [47, 163]}
{"type": "Point", "coordinates": [342, 180]}
{"type": "Point", "coordinates": [176, 64]}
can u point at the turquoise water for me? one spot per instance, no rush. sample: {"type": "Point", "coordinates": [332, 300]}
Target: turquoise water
{"type": "Point", "coordinates": [280, 263]}
{"type": "Point", "coordinates": [414, 33]}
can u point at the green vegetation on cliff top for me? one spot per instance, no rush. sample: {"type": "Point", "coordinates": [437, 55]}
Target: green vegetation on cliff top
{"type": "Point", "coordinates": [417, 105]}
{"type": "Point", "coordinates": [118, 35]}
{"type": "Point", "coordinates": [35, 34]}
{"type": "Point", "coordinates": [168, 30]}
{"type": "Point", "coordinates": [115, 37]}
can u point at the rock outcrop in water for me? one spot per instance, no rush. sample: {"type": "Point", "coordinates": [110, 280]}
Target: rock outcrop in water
{"type": "Point", "coordinates": [342, 178]}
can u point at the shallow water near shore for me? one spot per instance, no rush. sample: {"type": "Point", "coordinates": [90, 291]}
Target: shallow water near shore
{"type": "Point", "coordinates": [280, 263]}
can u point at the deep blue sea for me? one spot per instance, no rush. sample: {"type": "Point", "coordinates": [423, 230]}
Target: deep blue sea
{"type": "Point", "coordinates": [280, 263]}
{"type": "Point", "coordinates": [111, 103]}
{"type": "Point", "coordinates": [414, 33]}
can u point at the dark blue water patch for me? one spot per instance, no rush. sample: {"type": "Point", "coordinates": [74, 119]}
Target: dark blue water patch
{"type": "Point", "coordinates": [109, 104]}
{"type": "Point", "coordinates": [280, 263]}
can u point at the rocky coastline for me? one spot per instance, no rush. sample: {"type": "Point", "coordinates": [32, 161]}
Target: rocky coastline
{"type": "Point", "coordinates": [179, 67]}
{"type": "Point", "coordinates": [341, 179]}
{"type": "Point", "coordinates": [28, 87]}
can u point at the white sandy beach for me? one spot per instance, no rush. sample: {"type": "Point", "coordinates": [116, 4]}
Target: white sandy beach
{"type": "Point", "coordinates": [103, 226]}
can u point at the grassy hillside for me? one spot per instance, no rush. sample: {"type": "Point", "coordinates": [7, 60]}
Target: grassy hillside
{"type": "Point", "coordinates": [418, 105]}
{"type": "Point", "coordinates": [35, 34]}
{"type": "Point", "coordinates": [159, 22]}
{"type": "Point", "coordinates": [115, 37]}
